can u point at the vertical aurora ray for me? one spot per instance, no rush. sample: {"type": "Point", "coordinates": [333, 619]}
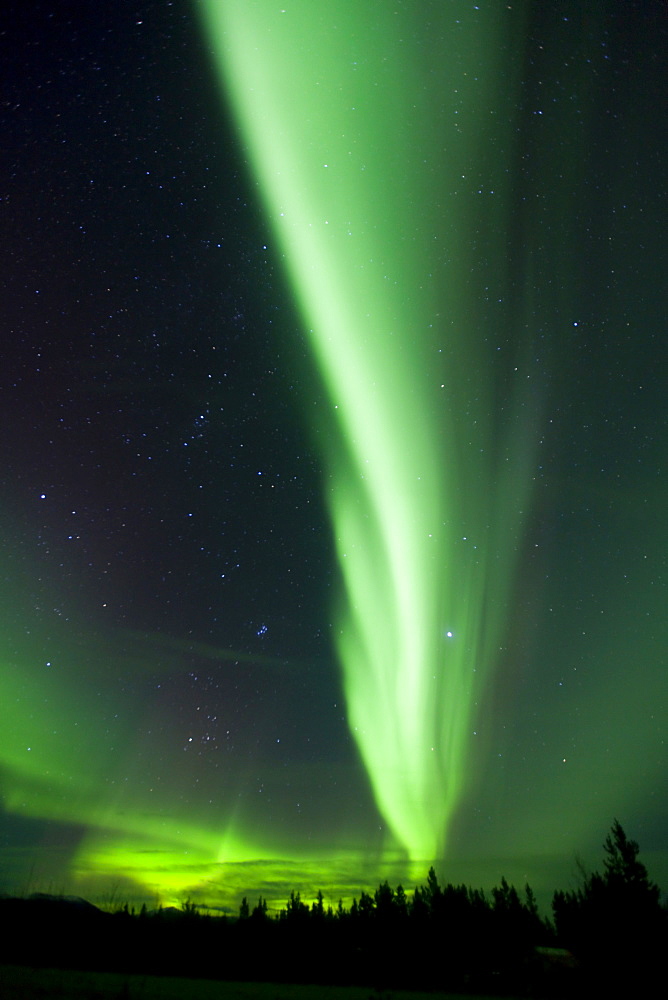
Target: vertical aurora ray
{"type": "Point", "coordinates": [369, 128]}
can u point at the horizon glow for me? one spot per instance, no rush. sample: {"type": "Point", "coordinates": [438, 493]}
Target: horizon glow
{"type": "Point", "coordinates": [367, 148]}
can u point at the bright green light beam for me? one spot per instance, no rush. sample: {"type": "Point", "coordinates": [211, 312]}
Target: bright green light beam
{"type": "Point", "coordinates": [364, 123]}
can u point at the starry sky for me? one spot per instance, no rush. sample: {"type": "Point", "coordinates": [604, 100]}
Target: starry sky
{"type": "Point", "coordinates": [329, 554]}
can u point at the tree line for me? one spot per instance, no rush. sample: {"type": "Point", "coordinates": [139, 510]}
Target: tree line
{"type": "Point", "coordinates": [609, 933]}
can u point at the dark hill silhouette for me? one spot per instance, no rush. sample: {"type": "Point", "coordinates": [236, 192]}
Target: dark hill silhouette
{"type": "Point", "coordinates": [69, 903]}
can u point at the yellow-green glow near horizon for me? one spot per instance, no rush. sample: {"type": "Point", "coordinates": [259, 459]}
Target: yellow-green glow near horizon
{"type": "Point", "coordinates": [365, 124]}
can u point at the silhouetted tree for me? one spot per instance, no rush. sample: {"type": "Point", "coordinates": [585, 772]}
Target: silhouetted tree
{"type": "Point", "coordinates": [613, 921]}
{"type": "Point", "coordinates": [366, 906]}
{"type": "Point", "coordinates": [296, 910]}
{"type": "Point", "coordinates": [419, 910]}
{"type": "Point", "coordinates": [260, 910]}
{"type": "Point", "coordinates": [384, 902]}
{"type": "Point", "coordinates": [401, 902]}
{"type": "Point", "coordinates": [318, 907]}
{"type": "Point", "coordinates": [623, 870]}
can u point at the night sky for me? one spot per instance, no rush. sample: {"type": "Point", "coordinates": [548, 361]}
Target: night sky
{"type": "Point", "coordinates": [333, 429]}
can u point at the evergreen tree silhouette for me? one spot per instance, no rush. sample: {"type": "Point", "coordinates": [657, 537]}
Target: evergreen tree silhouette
{"type": "Point", "coordinates": [613, 922]}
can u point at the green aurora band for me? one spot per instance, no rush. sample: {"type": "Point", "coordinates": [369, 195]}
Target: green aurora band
{"type": "Point", "coordinates": [381, 137]}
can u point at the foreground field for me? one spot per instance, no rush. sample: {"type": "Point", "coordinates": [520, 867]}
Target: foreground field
{"type": "Point", "coordinates": [23, 983]}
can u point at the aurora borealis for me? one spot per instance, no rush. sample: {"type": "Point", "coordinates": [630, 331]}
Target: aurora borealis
{"type": "Point", "coordinates": [425, 514]}
{"type": "Point", "coordinates": [333, 427]}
